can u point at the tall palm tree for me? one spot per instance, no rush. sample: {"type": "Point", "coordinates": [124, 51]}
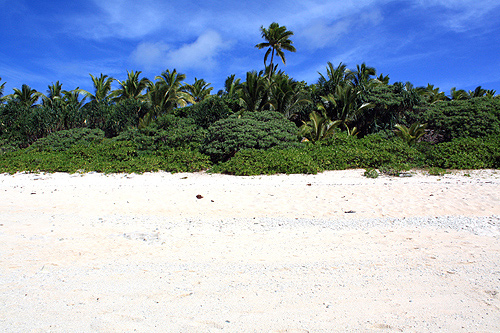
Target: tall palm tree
{"type": "Point", "coordinates": [25, 96]}
{"type": "Point", "coordinates": [170, 84]}
{"type": "Point", "coordinates": [199, 90]}
{"type": "Point", "coordinates": [102, 89]}
{"type": "Point", "coordinates": [132, 87]}
{"type": "Point", "coordinates": [277, 41]}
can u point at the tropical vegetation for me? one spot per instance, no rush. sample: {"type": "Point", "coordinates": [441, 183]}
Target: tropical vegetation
{"type": "Point", "coordinates": [264, 123]}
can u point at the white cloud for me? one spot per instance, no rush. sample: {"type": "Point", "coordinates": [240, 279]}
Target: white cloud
{"type": "Point", "coordinates": [463, 15]}
{"type": "Point", "coordinates": [321, 34]}
{"type": "Point", "coordinates": [201, 54]}
{"type": "Point", "coordinates": [122, 19]}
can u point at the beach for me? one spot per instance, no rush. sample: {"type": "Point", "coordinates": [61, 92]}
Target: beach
{"type": "Point", "coordinates": [199, 252]}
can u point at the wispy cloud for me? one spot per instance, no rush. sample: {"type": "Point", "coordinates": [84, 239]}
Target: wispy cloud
{"type": "Point", "coordinates": [201, 54]}
{"type": "Point", "coordinates": [321, 33]}
{"type": "Point", "coordinates": [462, 15]}
{"type": "Point", "coordinates": [122, 19]}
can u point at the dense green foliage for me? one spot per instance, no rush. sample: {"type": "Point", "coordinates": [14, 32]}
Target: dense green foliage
{"type": "Point", "coordinates": [107, 157]}
{"type": "Point", "coordinates": [253, 126]}
{"type": "Point", "coordinates": [251, 162]}
{"type": "Point", "coordinates": [475, 118]}
{"type": "Point", "coordinates": [259, 130]}
{"type": "Point", "coordinates": [65, 139]}
{"type": "Point", "coordinates": [390, 156]}
{"type": "Point", "coordinates": [465, 153]}
{"type": "Point", "coordinates": [207, 111]}
{"type": "Point", "coordinates": [168, 131]}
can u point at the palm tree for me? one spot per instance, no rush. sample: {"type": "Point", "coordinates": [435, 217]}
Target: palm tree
{"type": "Point", "coordinates": [26, 96]}
{"type": "Point", "coordinates": [54, 95]}
{"type": "Point", "coordinates": [490, 93]}
{"type": "Point", "coordinates": [478, 92]}
{"type": "Point", "coordinates": [328, 105]}
{"type": "Point", "coordinates": [361, 78]}
{"type": "Point", "coordinates": [132, 87]}
{"type": "Point", "coordinates": [344, 104]}
{"type": "Point", "coordinates": [319, 127]}
{"type": "Point", "coordinates": [334, 76]}
{"type": "Point", "coordinates": [286, 93]}
{"type": "Point", "coordinates": [164, 95]}
{"type": "Point", "coordinates": [431, 94]}
{"type": "Point", "coordinates": [199, 90]}
{"type": "Point", "coordinates": [277, 41]}
{"type": "Point", "coordinates": [458, 94]}
{"type": "Point", "coordinates": [382, 79]}
{"type": "Point", "coordinates": [253, 93]}
{"type": "Point", "coordinates": [231, 87]}
{"type": "Point", "coordinates": [72, 97]}
{"type": "Point", "coordinates": [102, 86]}
{"type": "Point", "coordinates": [2, 87]}
{"type": "Point", "coordinates": [412, 134]}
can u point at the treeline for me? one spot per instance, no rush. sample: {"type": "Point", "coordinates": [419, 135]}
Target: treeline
{"type": "Point", "coordinates": [268, 111]}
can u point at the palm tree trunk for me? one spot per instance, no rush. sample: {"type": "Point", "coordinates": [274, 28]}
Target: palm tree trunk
{"type": "Point", "coordinates": [271, 65]}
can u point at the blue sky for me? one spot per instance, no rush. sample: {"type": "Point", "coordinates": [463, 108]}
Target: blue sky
{"type": "Point", "coordinates": [448, 43]}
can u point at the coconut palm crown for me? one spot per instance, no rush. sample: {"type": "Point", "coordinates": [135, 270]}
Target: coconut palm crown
{"type": "Point", "coordinates": [277, 40]}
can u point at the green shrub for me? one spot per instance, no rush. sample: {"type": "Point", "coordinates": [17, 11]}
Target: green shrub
{"type": "Point", "coordinates": [372, 151]}
{"type": "Point", "coordinates": [393, 170]}
{"type": "Point", "coordinates": [474, 118]}
{"type": "Point", "coordinates": [63, 140]}
{"type": "Point", "coordinates": [435, 171]}
{"type": "Point", "coordinates": [167, 132]}
{"type": "Point", "coordinates": [250, 162]}
{"type": "Point", "coordinates": [208, 111]}
{"type": "Point", "coordinates": [259, 130]}
{"type": "Point", "coordinates": [370, 173]}
{"type": "Point", "coordinates": [7, 145]}
{"type": "Point", "coordinates": [465, 153]}
{"type": "Point", "coordinates": [123, 115]}
{"type": "Point", "coordinates": [108, 157]}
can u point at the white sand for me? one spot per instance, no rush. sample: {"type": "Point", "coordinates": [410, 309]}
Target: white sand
{"type": "Point", "coordinates": [287, 253]}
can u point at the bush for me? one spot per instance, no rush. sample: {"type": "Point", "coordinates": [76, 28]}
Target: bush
{"type": "Point", "coordinates": [258, 130]}
{"type": "Point", "coordinates": [339, 153]}
{"type": "Point", "coordinates": [166, 132]}
{"type": "Point", "coordinates": [107, 157]}
{"type": "Point", "coordinates": [251, 162]}
{"type": "Point", "coordinates": [475, 118]}
{"type": "Point", "coordinates": [372, 151]}
{"type": "Point", "coordinates": [370, 173]}
{"type": "Point", "coordinates": [123, 115]}
{"type": "Point", "coordinates": [208, 111]}
{"type": "Point", "coordinates": [63, 140]}
{"type": "Point", "coordinates": [465, 153]}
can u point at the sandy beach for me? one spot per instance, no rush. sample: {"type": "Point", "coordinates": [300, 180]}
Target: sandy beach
{"type": "Point", "coordinates": [201, 252]}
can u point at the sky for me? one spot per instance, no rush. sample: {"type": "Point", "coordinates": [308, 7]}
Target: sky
{"type": "Point", "coordinates": [447, 43]}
